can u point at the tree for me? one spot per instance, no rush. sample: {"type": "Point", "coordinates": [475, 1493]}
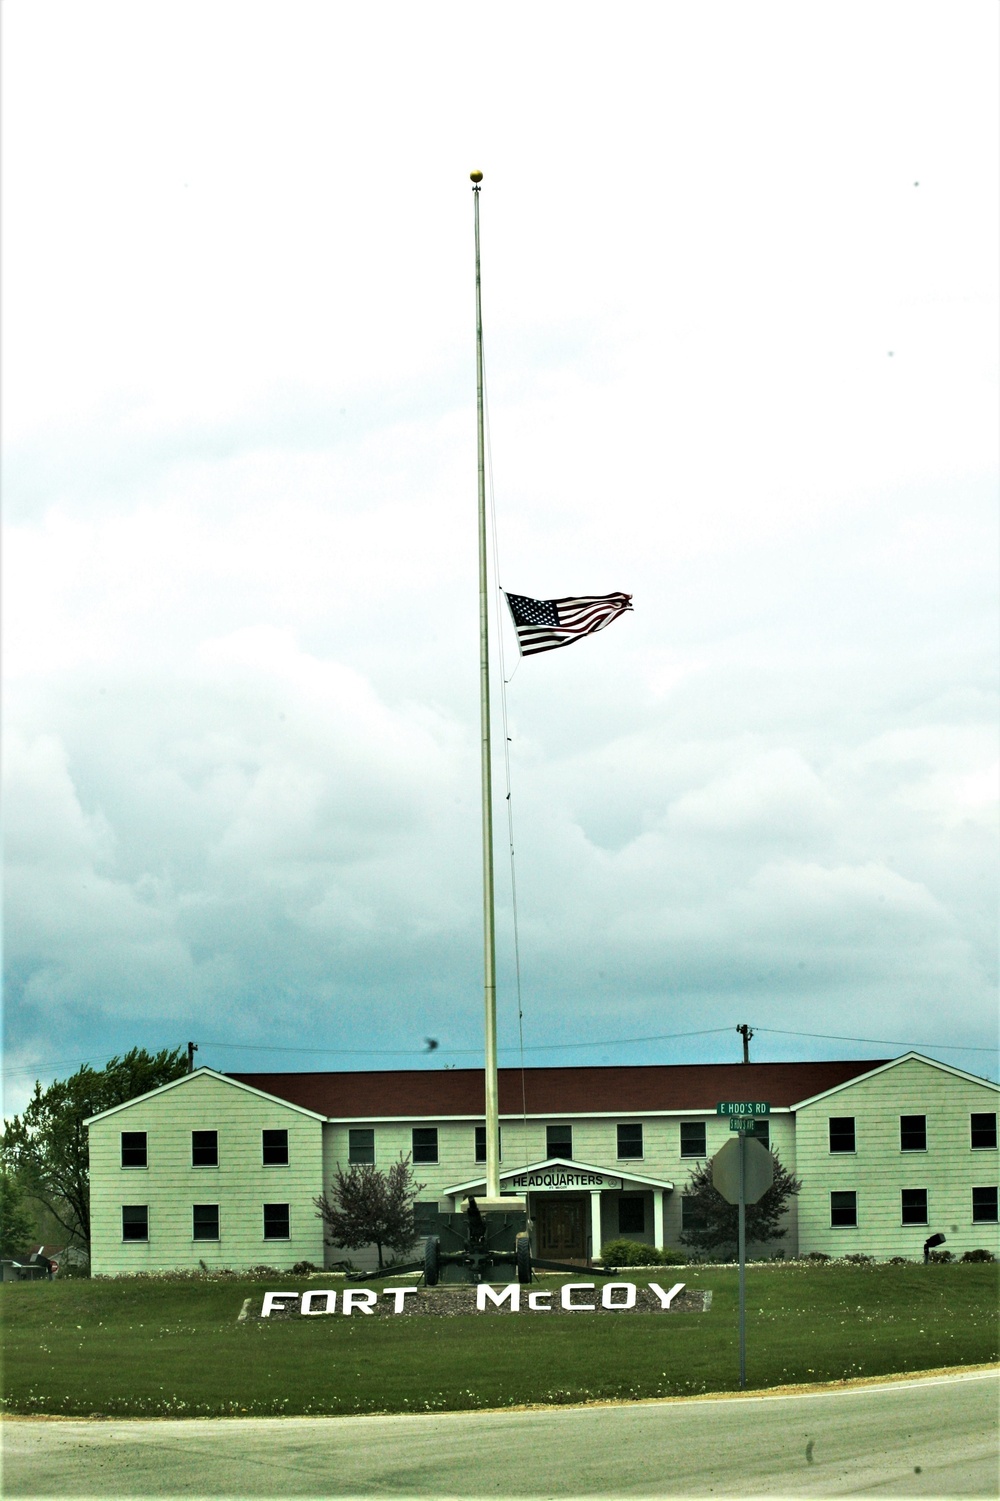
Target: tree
{"type": "Point", "coordinates": [46, 1146]}
{"type": "Point", "coordinates": [713, 1223]}
{"type": "Point", "coordinates": [17, 1226]}
{"type": "Point", "coordinates": [366, 1206]}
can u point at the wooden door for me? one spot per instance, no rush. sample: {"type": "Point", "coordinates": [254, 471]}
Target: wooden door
{"type": "Point", "coordinates": [561, 1232]}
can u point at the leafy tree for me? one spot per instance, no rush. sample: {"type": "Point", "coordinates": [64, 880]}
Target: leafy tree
{"type": "Point", "coordinates": [17, 1225]}
{"type": "Point", "coordinates": [714, 1223]}
{"type": "Point", "coordinates": [366, 1206]}
{"type": "Point", "coordinates": [46, 1146]}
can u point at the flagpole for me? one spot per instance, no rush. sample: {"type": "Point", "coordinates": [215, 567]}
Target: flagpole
{"type": "Point", "coordinates": [489, 937]}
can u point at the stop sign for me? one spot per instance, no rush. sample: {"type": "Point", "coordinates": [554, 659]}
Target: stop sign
{"type": "Point", "coordinates": [758, 1170]}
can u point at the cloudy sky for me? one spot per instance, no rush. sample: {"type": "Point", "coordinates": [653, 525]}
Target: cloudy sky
{"type": "Point", "coordinates": [741, 333]}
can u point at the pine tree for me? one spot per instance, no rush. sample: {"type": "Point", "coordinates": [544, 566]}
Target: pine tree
{"type": "Point", "coordinates": [713, 1223]}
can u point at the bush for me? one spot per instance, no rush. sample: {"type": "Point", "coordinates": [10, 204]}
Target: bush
{"type": "Point", "coordinates": [980, 1254]}
{"type": "Point", "coordinates": [900, 1261]}
{"type": "Point", "coordinates": [303, 1268]}
{"type": "Point", "coordinates": [816, 1256]}
{"type": "Point", "coordinates": [634, 1253]}
{"type": "Point", "coordinates": [858, 1258]}
{"type": "Point", "coordinates": [941, 1256]}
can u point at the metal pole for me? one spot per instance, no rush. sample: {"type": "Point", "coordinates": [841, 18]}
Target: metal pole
{"type": "Point", "coordinates": [742, 1261]}
{"type": "Point", "coordinates": [489, 940]}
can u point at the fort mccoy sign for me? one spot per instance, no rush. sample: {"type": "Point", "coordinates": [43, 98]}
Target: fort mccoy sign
{"type": "Point", "coordinates": [492, 1298]}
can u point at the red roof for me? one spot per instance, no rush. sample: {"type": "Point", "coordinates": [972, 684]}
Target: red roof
{"type": "Point", "coordinates": [556, 1091]}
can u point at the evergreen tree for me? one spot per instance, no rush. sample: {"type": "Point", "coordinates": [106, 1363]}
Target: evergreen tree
{"type": "Point", "coordinates": [713, 1223]}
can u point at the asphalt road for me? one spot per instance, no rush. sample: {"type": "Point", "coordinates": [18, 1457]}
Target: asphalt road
{"type": "Point", "coordinates": [935, 1436]}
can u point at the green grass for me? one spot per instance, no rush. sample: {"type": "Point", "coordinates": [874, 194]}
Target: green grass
{"type": "Point", "coordinates": [174, 1348]}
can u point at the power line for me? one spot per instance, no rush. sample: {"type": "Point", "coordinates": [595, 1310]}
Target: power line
{"type": "Point", "coordinates": [889, 1042]}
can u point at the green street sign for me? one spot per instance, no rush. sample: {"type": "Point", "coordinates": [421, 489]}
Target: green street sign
{"type": "Point", "coordinates": [743, 1123]}
{"type": "Point", "coordinates": [743, 1107]}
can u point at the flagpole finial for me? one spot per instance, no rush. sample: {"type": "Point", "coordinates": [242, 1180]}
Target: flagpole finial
{"type": "Point", "coordinates": [476, 177]}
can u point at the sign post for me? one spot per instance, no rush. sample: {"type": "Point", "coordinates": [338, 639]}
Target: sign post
{"type": "Point", "coordinates": [742, 1172]}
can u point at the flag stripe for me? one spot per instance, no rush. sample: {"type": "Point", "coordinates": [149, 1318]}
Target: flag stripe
{"type": "Point", "coordinates": [545, 624]}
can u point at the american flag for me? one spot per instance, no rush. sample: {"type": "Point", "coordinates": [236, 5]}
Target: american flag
{"type": "Point", "coordinates": [544, 624]}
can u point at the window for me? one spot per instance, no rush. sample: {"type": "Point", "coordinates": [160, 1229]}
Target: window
{"type": "Point", "coordinates": [692, 1213]}
{"type": "Point", "coordinates": [843, 1207]}
{"type": "Point", "coordinates": [135, 1222]}
{"type": "Point", "coordinates": [913, 1206]}
{"type": "Point", "coordinates": [693, 1139]}
{"type": "Point", "coordinates": [984, 1206]}
{"type": "Point", "coordinates": [204, 1148]}
{"type": "Point", "coordinates": [630, 1142]}
{"type": "Point", "coordinates": [631, 1216]}
{"type": "Point", "coordinates": [276, 1222]}
{"type": "Point", "coordinates": [205, 1221]}
{"type": "Point", "coordinates": [274, 1148]}
{"type": "Point", "coordinates": [361, 1144]}
{"type": "Point", "coordinates": [913, 1133]}
{"type": "Point", "coordinates": [762, 1132]}
{"type": "Point", "coordinates": [426, 1214]}
{"type": "Point", "coordinates": [984, 1132]}
{"type": "Point", "coordinates": [842, 1133]}
{"type": "Point", "coordinates": [134, 1148]}
{"type": "Point", "coordinates": [559, 1141]}
{"type": "Point", "coordinates": [425, 1144]}
{"type": "Point", "coordinates": [481, 1143]}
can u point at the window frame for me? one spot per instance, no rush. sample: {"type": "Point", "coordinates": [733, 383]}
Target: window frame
{"type": "Point", "coordinates": [852, 1208]}
{"type": "Point", "coordinates": [194, 1224]}
{"type": "Point", "coordinates": [288, 1220]}
{"type": "Point", "coordinates": [839, 1151]}
{"type": "Point", "coordinates": [267, 1131]}
{"type": "Point", "coordinates": [905, 1219]}
{"type": "Point", "coordinates": [912, 1132]}
{"type": "Point", "coordinates": [205, 1165]}
{"type": "Point", "coordinates": [691, 1221]}
{"type": "Point", "coordinates": [689, 1126]}
{"type": "Point", "coordinates": [631, 1200]}
{"type": "Point", "coordinates": [133, 1167]}
{"type": "Point", "coordinates": [630, 1156]}
{"type": "Point", "coordinates": [425, 1146]}
{"type": "Point", "coordinates": [135, 1239]}
{"type": "Point", "coordinates": [988, 1219]}
{"type": "Point", "coordinates": [479, 1134]}
{"type": "Point", "coordinates": [551, 1151]}
{"type": "Point", "coordinates": [983, 1115]}
{"type": "Point", "coordinates": [360, 1161]}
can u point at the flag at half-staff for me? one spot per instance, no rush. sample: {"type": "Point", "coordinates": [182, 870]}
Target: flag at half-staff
{"type": "Point", "coordinates": [544, 624]}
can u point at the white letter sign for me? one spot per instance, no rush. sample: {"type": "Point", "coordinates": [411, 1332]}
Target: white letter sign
{"type": "Point", "coordinates": [310, 1311]}
{"type": "Point", "coordinates": [666, 1298]}
{"type": "Point", "coordinates": [512, 1292]}
{"type": "Point", "coordinates": [568, 1303]}
{"type": "Point", "coordinates": [358, 1297]}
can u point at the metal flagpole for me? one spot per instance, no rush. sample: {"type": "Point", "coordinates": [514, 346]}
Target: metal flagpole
{"type": "Point", "coordinates": [743, 1261]}
{"type": "Point", "coordinates": [489, 939]}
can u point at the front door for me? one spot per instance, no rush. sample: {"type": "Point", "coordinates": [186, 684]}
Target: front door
{"type": "Point", "coordinates": [561, 1233]}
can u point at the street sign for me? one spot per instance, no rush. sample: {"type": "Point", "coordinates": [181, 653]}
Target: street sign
{"type": "Point", "coordinates": [758, 1171]}
{"type": "Point", "coordinates": [743, 1107]}
{"type": "Point", "coordinates": [746, 1123]}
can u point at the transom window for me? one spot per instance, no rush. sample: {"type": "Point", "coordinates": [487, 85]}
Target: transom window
{"type": "Point", "coordinates": [205, 1221]}
{"type": "Point", "coordinates": [984, 1131]}
{"type": "Point", "coordinates": [559, 1141]}
{"type": "Point", "coordinates": [913, 1133]}
{"type": "Point", "coordinates": [361, 1144]}
{"type": "Point", "coordinates": [630, 1142]}
{"type": "Point", "coordinates": [631, 1215]}
{"type": "Point", "coordinates": [204, 1148]}
{"type": "Point", "coordinates": [135, 1222]}
{"type": "Point", "coordinates": [481, 1143]}
{"type": "Point", "coordinates": [276, 1222]}
{"type": "Point", "coordinates": [693, 1139]}
{"type": "Point", "coordinates": [274, 1148]}
{"type": "Point", "coordinates": [843, 1207]}
{"type": "Point", "coordinates": [842, 1133]}
{"type": "Point", "coordinates": [984, 1206]}
{"type": "Point", "coordinates": [134, 1149]}
{"type": "Point", "coordinates": [913, 1206]}
{"type": "Point", "coordinates": [425, 1144]}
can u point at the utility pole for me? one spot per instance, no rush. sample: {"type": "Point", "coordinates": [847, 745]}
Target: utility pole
{"type": "Point", "coordinates": [746, 1033]}
{"type": "Point", "coordinates": [192, 1049]}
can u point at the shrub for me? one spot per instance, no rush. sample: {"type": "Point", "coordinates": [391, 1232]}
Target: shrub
{"type": "Point", "coordinates": [900, 1261]}
{"type": "Point", "coordinates": [817, 1256]}
{"type": "Point", "coordinates": [858, 1258]}
{"type": "Point", "coordinates": [979, 1254]}
{"type": "Point", "coordinates": [303, 1268]}
{"type": "Point", "coordinates": [634, 1253]}
{"type": "Point", "coordinates": [941, 1256]}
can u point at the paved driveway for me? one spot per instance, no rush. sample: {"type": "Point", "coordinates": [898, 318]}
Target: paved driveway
{"type": "Point", "coordinates": [934, 1436]}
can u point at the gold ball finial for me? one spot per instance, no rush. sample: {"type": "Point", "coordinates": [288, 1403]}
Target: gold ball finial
{"type": "Point", "coordinates": [476, 176]}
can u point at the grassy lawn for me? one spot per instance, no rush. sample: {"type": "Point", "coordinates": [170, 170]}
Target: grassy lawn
{"type": "Point", "coordinates": [174, 1348]}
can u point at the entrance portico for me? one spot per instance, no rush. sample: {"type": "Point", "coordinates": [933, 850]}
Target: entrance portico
{"type": "Point", "coordinates": [566, 1200]}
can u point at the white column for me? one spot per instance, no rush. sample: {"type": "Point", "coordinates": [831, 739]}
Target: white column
{"type": "Point", "coordinates": [595, 1225]}
{"type": "Point", "coordinates": [658, 1218]}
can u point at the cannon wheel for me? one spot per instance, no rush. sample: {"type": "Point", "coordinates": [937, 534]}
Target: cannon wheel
{"type": "Point", "coordinates": [522, 1255]}
{"type": "Point", "coordinates": [432, 1262]}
